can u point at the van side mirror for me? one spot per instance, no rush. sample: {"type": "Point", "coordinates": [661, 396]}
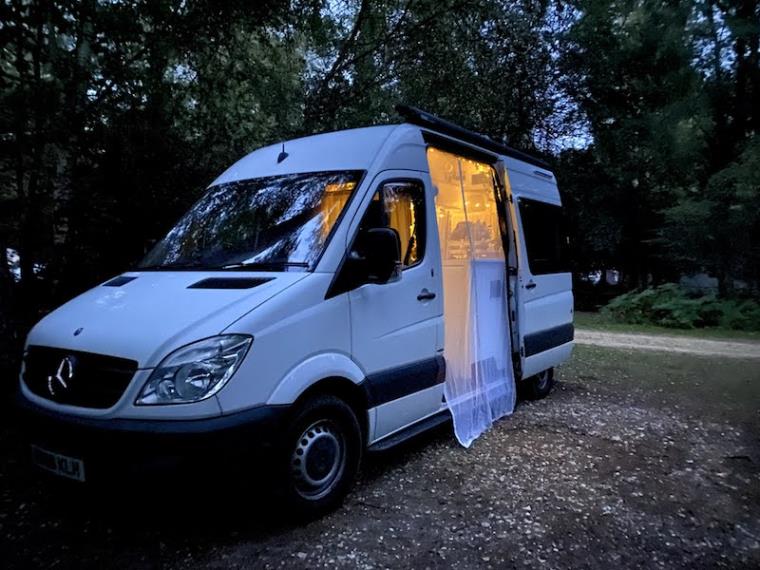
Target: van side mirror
{"type": "Point", "coordinates": [382, 248]}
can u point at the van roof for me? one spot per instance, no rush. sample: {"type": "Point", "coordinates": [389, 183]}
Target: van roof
{"type": "Point", "coordinates": [352, 149]}
{"type": "Point", "coordinates": [356, 149]}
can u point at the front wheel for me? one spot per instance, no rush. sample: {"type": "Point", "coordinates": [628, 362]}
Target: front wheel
{"type": "Point", "coordinates": [538, 386]}
{"type": "Point", "coordinates": [320, 455]}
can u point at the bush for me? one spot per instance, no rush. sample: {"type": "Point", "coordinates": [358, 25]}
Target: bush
{"type": "Point", "coordinates": [672, 306]}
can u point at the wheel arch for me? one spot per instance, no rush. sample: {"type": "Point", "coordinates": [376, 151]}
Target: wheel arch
{"type": "Point", "coordinates": [353, 394]}
{"type": "Point", "coordinates": [333, 374]}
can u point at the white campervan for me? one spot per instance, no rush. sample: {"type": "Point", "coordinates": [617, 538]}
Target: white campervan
{"type": "Point", "coordinates": [327, 296]}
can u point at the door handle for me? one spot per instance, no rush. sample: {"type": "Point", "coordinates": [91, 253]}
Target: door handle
{"type": "Point", "coordinates": [426, 295]}
{"type": "Point", "coordinates": [530, 285]}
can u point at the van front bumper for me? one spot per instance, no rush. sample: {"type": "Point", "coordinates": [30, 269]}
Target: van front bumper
{"type": "Point", "coordinates": [131, 447]}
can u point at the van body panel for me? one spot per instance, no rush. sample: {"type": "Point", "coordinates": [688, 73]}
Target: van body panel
{"type": "Point", "coordinates": [398, 414]}
{"type": "Point", "coordinates": [391, 327]}
{"type": "Point", "coordinates": [153, 314]}
{"type": "Point", "coordinates": [369, 148]}
{"type": "Point", "coordinates": [354, 149]}
{"type": "Point", "coordinates": [547, 312]}
{"type": "Point", "coordinates": [405, 149]}
{"type": "Point", "coordinates": [301, 326]}
{"type": "Point", "coordinates": [548, 358]}
{"type": "Point", "coordinates": [545, 301]}
{"type": "Point", "coordinates": [311, 371]}
{"type": "Point", "coordinates": [532, 182]}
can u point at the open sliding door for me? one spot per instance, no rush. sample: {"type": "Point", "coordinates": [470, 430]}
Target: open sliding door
{"type": "Point", "coordinates": [479, 385]}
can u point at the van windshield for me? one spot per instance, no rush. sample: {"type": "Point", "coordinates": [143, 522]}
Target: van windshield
{"type": "Point", "coordinates": [272, 223]}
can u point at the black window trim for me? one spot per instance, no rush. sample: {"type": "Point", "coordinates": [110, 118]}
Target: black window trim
{"type": "Point", "coordinates": [337, 285]}
{"type": "Point", "coordinates": [520, 201]}
{"type": "Point", "coordinates": [424, 219]}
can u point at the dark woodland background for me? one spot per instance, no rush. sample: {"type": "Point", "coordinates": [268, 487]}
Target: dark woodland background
{"type": "Point", "coordinates": [114, 116]}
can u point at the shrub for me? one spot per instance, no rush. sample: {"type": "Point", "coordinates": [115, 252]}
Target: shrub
{"type": "Point", "coordinates": [672, 306]}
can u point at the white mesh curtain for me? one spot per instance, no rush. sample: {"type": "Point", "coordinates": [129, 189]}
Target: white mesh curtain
{"type": "Point", "coordinates": [479, 386]}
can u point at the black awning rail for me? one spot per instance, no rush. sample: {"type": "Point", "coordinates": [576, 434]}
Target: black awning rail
{"type": "Point", "coordinates": [427, 120]}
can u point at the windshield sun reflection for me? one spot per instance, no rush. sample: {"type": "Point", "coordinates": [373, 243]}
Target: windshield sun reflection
{"type": "Point", "coordinates": [274, 221]}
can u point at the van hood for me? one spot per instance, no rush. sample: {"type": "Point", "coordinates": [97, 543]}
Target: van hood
{"type": "Point", "coordinates": [145, 315]}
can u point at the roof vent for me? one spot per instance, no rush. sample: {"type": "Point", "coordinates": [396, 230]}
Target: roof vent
{"type": "Point", "coordinates": [230, 283]}
{"type": "Point", "coordinates": [119, 281]}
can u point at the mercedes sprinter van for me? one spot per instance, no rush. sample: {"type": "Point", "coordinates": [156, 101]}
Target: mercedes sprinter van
{"type": "Point", "coordinates": [297, 314]}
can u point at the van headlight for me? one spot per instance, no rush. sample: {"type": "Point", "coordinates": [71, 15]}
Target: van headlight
{"type": "Point", "coordinates": [196, 371]}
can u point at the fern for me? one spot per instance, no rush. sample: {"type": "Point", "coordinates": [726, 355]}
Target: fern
{"type": "Point", "coordinates": [672, 306]}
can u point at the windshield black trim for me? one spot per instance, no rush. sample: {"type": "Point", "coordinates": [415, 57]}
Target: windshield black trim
{"type": "Point", "coordinates": [266, 265]}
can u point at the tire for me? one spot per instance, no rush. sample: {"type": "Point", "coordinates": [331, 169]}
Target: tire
{"type": "Point", "coordinates": [538, 386]}
{"type": "Point", "coordinates": [319, 456]}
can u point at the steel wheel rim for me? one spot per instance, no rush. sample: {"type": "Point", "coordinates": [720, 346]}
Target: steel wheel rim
{"type": "Point", "coordinates": [318, 460]}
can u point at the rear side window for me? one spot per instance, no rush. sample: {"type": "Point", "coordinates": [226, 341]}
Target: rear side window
{"type": "Point", "coordinates": [545, 237]}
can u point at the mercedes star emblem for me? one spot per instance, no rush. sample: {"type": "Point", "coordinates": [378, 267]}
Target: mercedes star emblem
{"type": "Point", "coordinates": [59, 381]}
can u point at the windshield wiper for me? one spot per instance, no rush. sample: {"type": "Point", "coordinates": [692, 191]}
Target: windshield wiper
{"type": "Point", "coordinates": [265, 265]}
{"type": "Point", "coordinates": [170, 266]}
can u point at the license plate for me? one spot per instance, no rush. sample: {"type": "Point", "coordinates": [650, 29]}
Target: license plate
{"type": "Point", "coordinates": [62, 465]}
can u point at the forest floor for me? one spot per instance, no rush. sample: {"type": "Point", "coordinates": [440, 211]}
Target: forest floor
{"type": "Point", "coordinates": [636, 459]}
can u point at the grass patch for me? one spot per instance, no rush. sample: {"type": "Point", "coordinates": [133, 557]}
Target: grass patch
{"type": "Point", "coordinates": [598, 321]}
{"type": "Point", "coordinates": [720, 389]}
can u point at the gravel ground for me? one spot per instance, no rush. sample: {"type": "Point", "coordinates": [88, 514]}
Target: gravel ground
{"type": "Point", "coordinates": [636, 459]}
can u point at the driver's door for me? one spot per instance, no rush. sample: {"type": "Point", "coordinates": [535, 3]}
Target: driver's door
{"type": "Point", "coordinates": [397, 327]}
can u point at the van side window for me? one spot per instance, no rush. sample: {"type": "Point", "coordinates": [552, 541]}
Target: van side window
{"type": "Point", "coordinates": [545, 237]}
{"type": "Point", "coordinates": [400, 205]}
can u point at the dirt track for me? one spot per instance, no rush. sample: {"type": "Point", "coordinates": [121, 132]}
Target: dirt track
{"type": "Point", "coordinates": [682, 344]}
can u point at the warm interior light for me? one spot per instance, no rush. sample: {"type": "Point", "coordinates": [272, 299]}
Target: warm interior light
{"type": "Point", "coordinates": [333, 201]}
{"type": "Point", "coordinates": [339, 187]}
{"type": "Point", "coordinates": [465, 206]}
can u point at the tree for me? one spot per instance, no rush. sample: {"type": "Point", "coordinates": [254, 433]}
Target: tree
{"type": "Point", "coordinates": [713, 225]}
{"type": "Point", "coordinates": [629, 67]}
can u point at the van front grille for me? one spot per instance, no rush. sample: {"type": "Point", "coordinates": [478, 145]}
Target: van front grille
{"type": "Point", "coordinates": [77, 378]}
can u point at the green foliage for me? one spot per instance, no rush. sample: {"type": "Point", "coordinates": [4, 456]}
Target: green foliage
{"type": "Point", "coordinates": [719, 227]}
{"type": "Point", "coordinates": [675, 307]}
{"type": "Point", "coordinates": [628, 66]}
{"type": "Point", "coordinates": [670, 92]}
{"type": "Point", "coordinates": [114, 116]}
